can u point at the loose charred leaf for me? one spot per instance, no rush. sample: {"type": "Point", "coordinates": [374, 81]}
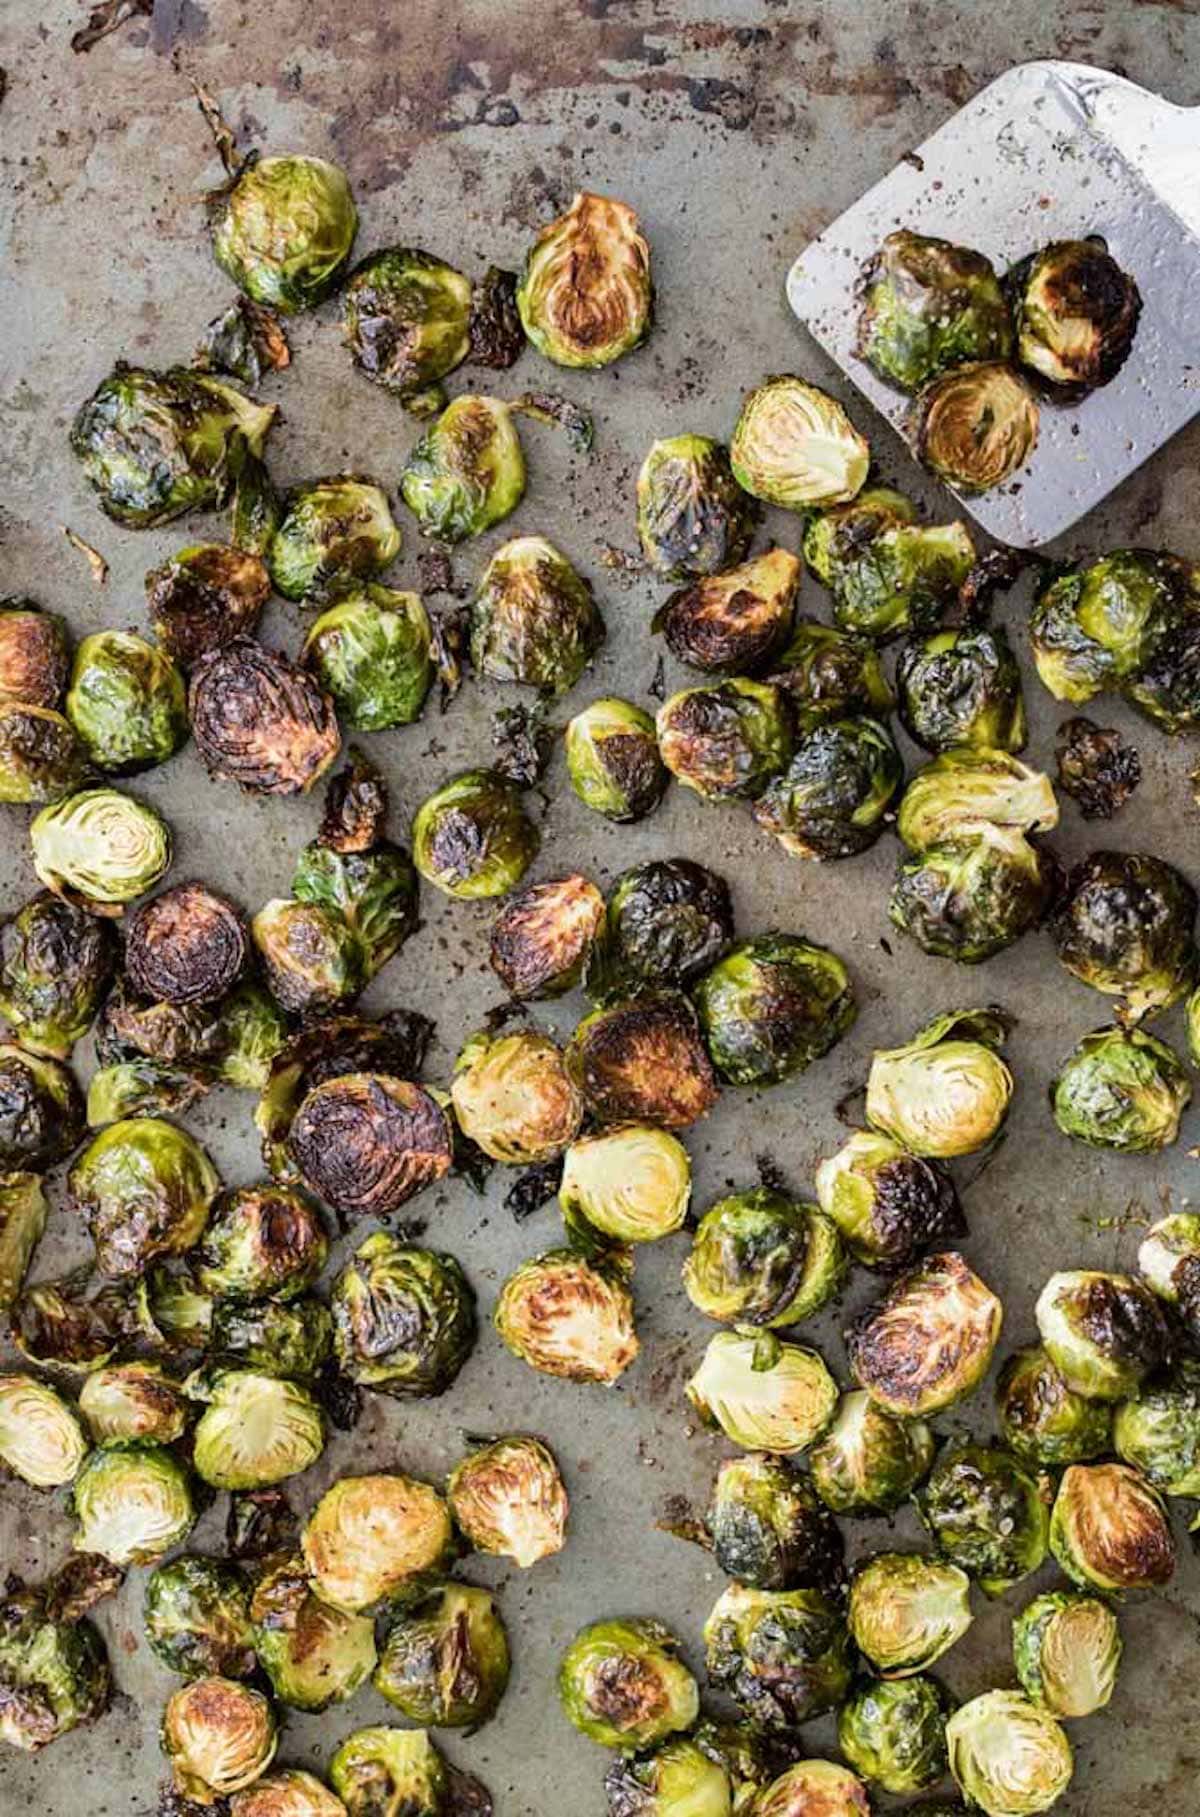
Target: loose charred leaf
{"type": "Point", "coordinates": [1095, 768]}
{"type": "Point", "coordinates": [260, 1523]}
{"type": "Point", "coordinates": [437, 574]}
{"type": "Point", "coordinates": [93, 557]}
{"type": "Point", "coordinates": [496, 335]}
{"type": "Point", "coordinates": [409, 1034]}
{"type": "Point", "coordinates": [222, 133]}
{"type": "Point", "coordinates": [108, 17]}
{"type": "Point", "coordinates": [79, 1585]}
{"type": "Point", "coordinates": [533, 1188]}
{"type": "Point", "coordinates": [992, 573]}
{"type": "Point", "coordinates": [341, 1398]}
{"type": "Point", "coordinates": [523, 743]}
{"type": "Point", "coordinates": [451, 641]}
{"type": "Point", "coordinates": [356, 805]}
{"type": "Point", "coordinates": [245, 340]}
{"type": "Point", "coordinates": [561, 413]}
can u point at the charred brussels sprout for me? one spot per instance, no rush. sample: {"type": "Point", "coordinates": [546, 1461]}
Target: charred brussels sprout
{"type": "Point", "coordinates": [1099, 626]}
{"type": "Point", "coordinates": [35, 655]}
{"type": "Point", "coordinates": [144, 1188]}
{"type": "Point", "coordinates": [622, 1684]}
{"type": "Point", "coordinates": [831, 800]}
{"type": "Point", "coordinates": [53, 1671]}
{"type": "Point", "coordinates": [260, 721]}
{"type": "Point", "coordinates": [514, 1097]}
{"type": "Point", "coordinates": [472, 837]}
{"type": "Point", "coordinates": [543, 938]}
{"type": "Point", "coordinates": [1096, 767]}
{"type": "Point", "coordinates": [585, 295]}
{"type": "Point", "coordinates": [887, 572]}
{"type": "Point", "coordinates": [101, 848]}
{"type": "Point", "coordinates": [1125, 924]}
{"type": "Point", "coordinates": [186, 946]}
{"type": "Point", "coordinates": [23, 1211]}
{"type": "Point", "coordinates": [404, 1318]}
{"type": "Point", "coordinates": [814, 1786]}
{"type": "Point", "coordinates": [295, 1339]}
{"type": "Point", "coordinates": [41, 756]}
{"type": "Point", "coordinates": [157, 444]}
{"type": "Point", "coordinates": [761, 1393]}
{"type": "Point", "coordinates": [310, 957]}
{"type": "Point", "coordinates": [887, 1204]}
{"type": "Point", "coordinates": [1109, 1529]}
{"type": "Point", "coordinates": [374, 893]}
{"type": "Point", "coordinates": [132, 1503]}
{"type": "Point", "coordinates": [371, 1537]}
{"type": "Point", "coordinates": [986, 1514]}
{"type": "Point", "coordinates": [314, 1655]}
{"type": "Point", "coordinates": [735, 621]}
{"type": "Point", "coordinates": [1076, 314]}
{"type": "Point", "coordinates": [893, 1732]}
{"type": "Point", "coordinates": [631, 1184]}
{"type": "Point", "coordinates": [126, 701]}
{"type": "Point", "coordinates": [962, 687]}
{"type": "Point", "coordinates": [406, 318]}
{"type": "Point", "coordinates": [204, 597]}
{"type": "Point", "coordinates": [969, 899]}
{"type": "Point", "coordinates": [1159, 1433]}
{"type": "Point", "coordinates": [947, 1092]}
{"type": "Point", "coordinates": [567, 1315]}
{"type": "Point", "coordinates": [929, 1341]}
{"type": "Point", "coordinates": [467, 472]}
{"type": "Point", "coordinates": [868, 1462]}
{"type": "Point", "coordinates": [761, 1259]}
{"type": "Point", "coordinates": [125, 1403]}
{"type": "Point", "coordinates": [445, 1661]}
{"type": "Point", "coordinates": [1121, 1089]}
{"type": "Point", "coordinates": [372, 652]}
{"type": "Point", "coordinates": [533, 618]}
{"type": "Point", "coordinates": [41, 1111]}
{"type": "Point", "coordinates": [1169, 1262]}
{"type": "Point", "coordinates": [291, 1793]}
{"type": "Point", "coordinates": [283, 230]}
{"type": "Point", "coordinates": [977, 426]}
{"type": "Point", "coordinates": [219, 1736]}
{"type": "Point", "coordinates": [41, 1441]}
{"type": "Point", "coordinates": [1067, 1648]}
{"type": "Point", "coordinates": [905, 1611]}
{"type": "Point", "coordinates": [795, 446]}
{"type": "Point", "coordinates": [782, 1655]}
{"type": "Point", "coordinates": [613, 760]}
{"type": "Point", "coordinates": [1045, 1422]}
{"type": "Point", "coordinates": [693, 517]}
{"type": "Point", "coordinates": [927, 306]}
{"type": "Point", "coordinates": [677, 1777]}
{"type": "Point", "coordinates": [727, 738]}
{"type": "Point", "coordinates": [1007, 1755]}
{"type": "Point", "coordinates": [197, 1617]}
{"type": "Point", "coordinates": [331, 531]}
{"type": "Point", "coordinates": [643, 1061]}
{"type": "Point", "coordinates": [55, 1323]}
{"type": "Point", "coordinates": [769, 1528]}
{"type": "Point", "coordinates": [831, 674]}
{"type": "Point", "coordinates": [386, 1772]}
{"type": "Point", "coordinates": [667, 920]}
{"type": "Point", "coordinates": [256, 1429]}
{"type": "Point", "coordinates": [1104, 1333]}
{"type": "Point", "coordinates": [771, 1006]}
{"type": "Point", "coordinates": [366, 1142]}
{"type": "Point", "coordinates": [509, 1500]}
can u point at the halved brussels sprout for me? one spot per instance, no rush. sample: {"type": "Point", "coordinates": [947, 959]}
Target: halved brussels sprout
{"type": "Point", "coordinates": [1099, 625]}
{"type": "Point", "coordinates": [55, 963]}
{"type": "Point", "coordinates": [568, 1315]}
{"type": "Point", "coordinates": [406, 318]}
{"type": "Point", "coordinates": [768, 1527]}
{"type": "Point", "coordinates": [140, 1087]}
{"type": "Point", "coordinates": [750, 1758]}
{"type": "Point", "coordinates": [986, 1513]}
{"type": "Point", "coordinates": [887, 1204]}
{"type": "Point", "coordinates": [1109, 1529]}
{"type": "Point", "coordinates": [445, 1660]}
{"type": "Point", "coordinates": [366, 1142]}
{"type": "Point", "coordinates": [782, 1655]}
{"type": "Point", "coordinates": [667, 920]}
{"type": "Point", "coordinates": [261, 1241]}
{"type": "Point", "coordinates": [814, 1786]}
{"type": "Point", "coordinates": [314, 1655]}
{"type": "Point", "coordinates": [906, 1610]}
{"type": "Point", "coordinates": [260, 721]}
{"type": "Point", "coordinates": [373, 892]}
{"type": "Point", "coordinates": [385, 1772]}
{"type": "Point", "coordinates": [256, 1429]}
{"type": "Point", "coordinates": [132, 1503]}
{"type": "Point", "coordinates": [971, 898]}
{"type": "Point", "coordinates": [725, 738]}
{"type": "Point", "coordinates": [472, 837]}
{"type": "Point", "coordinates": [171, 1309]}
{"type": "Point", "coordinates": [509, 1500]}
{"type": "Point", "coordinates": [868, 1462]}
{"type": "Point", "coordinates": [41, 1440]}
{"type": "Point", "coordinates": [144, 1188]}
{"type": "Point", "coordinates": [928, 1343]}
{"type": "Point", "coordinates": [1159, 1433]}
{"type": "Point", "coordinates": [887, 572]}
{"type": "Point", "coordinates": [533, 618]}
{"type": "Point", "coordinates": [622, 1684]}
{"type": "Point", "coordinates": [947, 1091]}
{"type": "Point", "coordinates": [1008, 1756]}
{"type": "Point", "coordinates": [1045, 1422]}
{"type": "Point", "coordinates": [1076, 313]}
{"type": "Point", "coordinates": [127, 1403]}
{"type": "Point", "coordinates": [331, 531]}
{"type": "Point", "coordinates": [1169, 1261]}
{"type": "Point", "coordinates": [773, 1005]}
{"type": "Point", "coordinates": [735, 621]}
{"type": "Point", "coordinates": [1067, 1648]}
{"type": "Point", "coordinates": [283, 229]}
{"type": "Point", "coordinates": [514, 1097]}
{"type": "Point", "coordinates": [693, 517]}
{"type": "Point", "coordinates": [966, 793]}
{"type": "Point", "coordinates": [893, 1732]}
{"type": "Point", "coordinates": [371, 1537]}
{"type": "Point", "coordinates": [187, 945]}
{"type": "Point", "coordinates": [53, 1671]}
{"type": "Point", "coordinates": [831, 674]}
{"type": "Point", "coordinates": [197, 1617]}
{"type": "Point", "coordinates": [1122, 1089]}
{"type": "Point", "coordinates": [35, 654]}
{"type": "Point", "coordinates": [127, 702]}
{"type": "Point", "coordinates": [795, 446]}
{"type": "Point", "coordinates": [219, 1736]}
{"type": "Point", "coordinates": [204, 597]}
{"type": "Point", "coordinates": [763, 1394]}
{"type": "Point", "coordinates": [311, 959]}
{"type": "Point", "coordinates": [100, 847]}
{"type": "Point", "coordinates": [157, 444]}
{"type": "Point", "coordinates": [678, 1777]}
{"type": "Point", "coordinates": [1126, 925]}
{"type": "Point", "coordinates": [41, 1111]}
{"type": "Point", "coordinates": [929, 305]}
{"type": "Point", "coordinates": [404, 1318]}
{"type": "Point", "coordinates": [831, 800]}
{"type": "Point", "coordinates": [23, 1211]}
{"type": "Point", "coordinates": [372, 651]}
{"type": "Point", "coordinates": [293, 1339]}
{"type": "Point", "coordinates": [613, 760]}
{"type": "Point", "coordinates": [977, 426]}
{"type": "Point", "coordinates": [962, 687]}
{"type": "Point", "coordinates": [290, 1793]}
{"type": "Point", "coordinates": [585, 295]}
{"type": "Point", "coordinates": [467, 472]}
{"type": "Point", "coordinates": [132, 1027]}
{"type": "Point", "coordinates": [644, 1061]}
{"type": "Point", "coordinates": [54, 1323]}
{"type": "Point", "coordinates": [42, 757]}
{"type": "Point", "coordinates": [543, 938]}
{"type": "Point", "coordinates": [761, 1259]}
{"type": "Point", "coordinates": [632, 1183]}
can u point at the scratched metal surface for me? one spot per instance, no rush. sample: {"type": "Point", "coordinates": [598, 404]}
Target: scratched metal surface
{"type": "Point", "coordinates": [738, 131]}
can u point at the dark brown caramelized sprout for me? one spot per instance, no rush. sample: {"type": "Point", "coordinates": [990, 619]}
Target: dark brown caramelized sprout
{"type": "Point", "coordinates": [260, 1242]}
{"type": "Point", "coordinates": [42, 758]}
{"type": "Point", "coordinates": [404, 1318]}
{"type": "Point", "coordinates": [41, 1111]}
{"type": "Point", "coordinates": [55, 963]}
{"type": "Point", "coordinates": [261, 721]}
{"type": "Point", "coordinates": [726, 738]}
{"type": "Point", "coordinates": [204, 597]}
{"type": "Point", "coordinates": [771, 1006]}
{"type": "Point", "coordinates": [929, 1341]}
{"type": "Point", "coordinates": [978, 426]}
{"type": "Point", "coordinates": [585, 295]}
{"type": "Point", "coordinates": [832, 674]}
{"type": "Point", "coordinates": [1076, 314]}
{"type": "Point", "coordinates": [735, 621]}
{"type": "Point", "coordinates": [366, 1142]}
{"type": "Point", "coordinates": [1096, 768]}
{"type": "Point", "coordinates": [644, 1061]}
{"type": "Point", "coordinates": [667, 920]}
{"type": "Point", "coordinates": [35, 656]}
{"type": "Point", "coordinates": [928, 305]}
{"type": "Point", "coordinates": [188, 945]}
{"type": "Point", "coordinates": [831, 800]}
{"type": "Point", "coordinates": [613, 760]}
{"type": "Point", "coordinates": [406, 318]}
{"type": "Point", "coordinates": [544, 936]}
{"type": "Point", "coordinates": [534, 619]}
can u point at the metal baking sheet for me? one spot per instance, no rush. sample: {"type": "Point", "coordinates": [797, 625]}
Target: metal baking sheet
{"type": "Point", "coordinates": [738, 131]}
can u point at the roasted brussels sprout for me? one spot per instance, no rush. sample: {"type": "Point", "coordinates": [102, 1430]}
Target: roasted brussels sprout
{"type": "Point", "coordinates": [197, 1616]}
{"type": "Point", "coordinates": [927, 306]}
{"type": "Point", "coordinates": [293, 1338]}
{"type": "Point", "coordinates": [893, 1732]}
{"type": "Point", "coordinates": [445, 1661]}
{"type": "Point", "coordinates": [373, 893]}
{"type": "Point", "coordinates": [1008, 1756]}
{"type": "Point", "coordinates": [771, 1006]}
{"type": "Point", "coordinates": [678, 1776]}
{"type": "Point", "coordinates": [763, 1394]}
{"type": "Point", "coordinates": [622, 1684]}
{"type": "Point", "coordinates": [53, 1671]}
{"type": "Point", "coordinates": [1045, 1422]}
{"type": "Point", "coordinates": [971, 898]}
{"type": "Point", "coordinates": [667, 920]}
{"type": "Point", "coordinates": [985, 1513]}
{"type": "Point", "coordinates": [508, 1499]}
{"type": "Point", "coordinates": [157, 444]}
{"type": "Point", "coordinates": [372, 652]}
{"type": "Point", "coordinates": [1125, 924]}
{"type": "Point", "coordinates": [144, 1188]}
{"type": "Point", "coordinates": [533, 618]}
{"type": "Point", "coordinates": [406, 318]}
{"type": "Point", "coordinates": [1159, 1433]}
{"type": "Point", "coordinates": [725, 738]}
{"type": "Point", "coordinates": [55, 962]}
{"type": "Point", "coordinates": [41, 1441]}
{"type": "Point", "coordinates": [831, 674]}
{"type": "Point", "coordinates": [260, 721]}
{"type": "Point", "coordinates": [331, 532]}
{"type": "Point", "coordinates": [365, 1142]}
{"type": "Point", "coordinates": [172, 1311]}
{"type": "Point", "coordinates": [404, 1318]}
{"type": "Point", "coordinates": [750, 1757]}
{"type": "Point", "coordinates": [370, 1537]}
{"type": "Point", "coordinates": [1169, 1263]}
{"type": "Point", "coordinates": [219, 1736]}
{"type": "Point", "coordinates": [735, 621]}
{"type": "Point", "coordinates": [127, 1403]}
{"type": "Point", "coordinates": [967, 794]}
{"type": "Point", "coordinates": [23, 1211]}
{"type": "Point", "coordinates": [283, 229]}
{"type": "Point", "coordinates": [467, 472]}
{"type": "Point", "coordinates": [204, 597]}
{"type": "Point", "coordinates": [1166, 689]}
{"type": "Point", "coordinates": [385, 1772]}
{"type": "Point", "coordinates": [290, 1793]}
{"type": "Point", "coordinates": [101, 848]}
{"type": "Point", "coordinates": [566, 1314]}
{"type": "Point", "coordinates": [831, 800]}
{"type": "Point", "coordinates": [256, 1429]}
{"type": "Point", "coordinates": [906, 1610]}
{"type": "Point", "coordinates": [795, 446]}
{"type": "Point", "coordinates": [41, 1111]}
{"type": "Point", "coordinates": [887, 572]}
{"type": "Point", "coordinates": [132, 1503]}
{"type": "Point", "coordinates": [57, 1324]}
{"type": "Point", "coordinates": [1096, 767]}
{"type": "Point", "coordinates": [42, 757]}
{"type": "Point", "coordinates": [947, 1092]}
{"type": "Point", "coordinates": [613, 760]}
{"type": "Point", "coordinates": [928, 1343]}
{"type": "Point", "coordinates": [35, 655]}
{"type": "Point", "coordinates": [1109, 1529]}
{"type": "Point", "coordinates": [543, 938]}
{"type": "Point", "coordinates": [631, 1184]}
{"type": "Point", "coordinates": [1100, 625]}
{"type": "Point", "coordinates": [644, 1061]}
{"type": "Point", "coordinates": [782, 1655]}
{"type": "Point", "coordinates": [126, 701]}
{"type": "Point", "coordinates": [768, 1527]}
{"type": "Point", "coordinates": [472, 837]}
{"type": "Point", "coordinates": [693, 517]}
{"type": "Point", "coordinates": [761, 1259]}
{"type": "Point", "coordinates": [1123, 1089]}
{"type": "Point", "coordinates": [309, 955]}
{"type": "Point", "coordinates": [1076, 313]}
{"type": "Point", "coordinates": [977, 426]}
{"type": "Point", "coordinates": [814, 1786]}
{"type": "Point", "coordinates": [867, 1462]}
{"type": "Point", "coordinates": [887, 1204]}
{"type": "Point", "coordinates": [585, 295]}
{"type": "Point", "coordinates": [1067, 1648]}
{"type": "Point", "coordinates": [514, 1097]}
{"type": "Point", "coordinates": [186, 946]}
{"type": "Point", "coordinates": [961, 687]}
{"type": "Point", "coordinates": [314, 1655]}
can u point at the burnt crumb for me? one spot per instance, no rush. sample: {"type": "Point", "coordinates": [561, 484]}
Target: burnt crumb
{"type": "Point", "coordinates": [998, 569]}
{"type": "Point", "coordinates": [620, 560]}
{"type": "Point", "coordinates": [341, 1399]}
{"type": "Point", "coordinates": [771, 1174]}
{"type": "Point", "coordinates": [562, 413]}
{"type": "Point", "coordinates": [1096, 768]}
{"type": "Point", "coordinates": [409, 1034]}
{"type": "Point", "coordinates": [523, 744]}
{"type": "Point", "coordinates": [3, 84]}
{"type": "Point", "coordinates": [451, 631]}
{"type": "Point", "coordinates": [495, 332]}
{"type": "Point", "coordinates": [657, 689]}
{"type": "Point", "coordinates": [436, 574]}
{"type": "Point", "coordinates": [717, 95]}
{"type": "Point", "coordinates": [911, 157]}
{"type": "Point", "coordinates": [533, 1188]}
{"type": "Point", "coordinates": [466, 1796]}
{"type": "Point", "coordinates": [108, 17]}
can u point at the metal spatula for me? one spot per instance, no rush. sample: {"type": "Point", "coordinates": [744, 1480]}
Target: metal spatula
{"type": "Point", "coordinates": [1048, 151]}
